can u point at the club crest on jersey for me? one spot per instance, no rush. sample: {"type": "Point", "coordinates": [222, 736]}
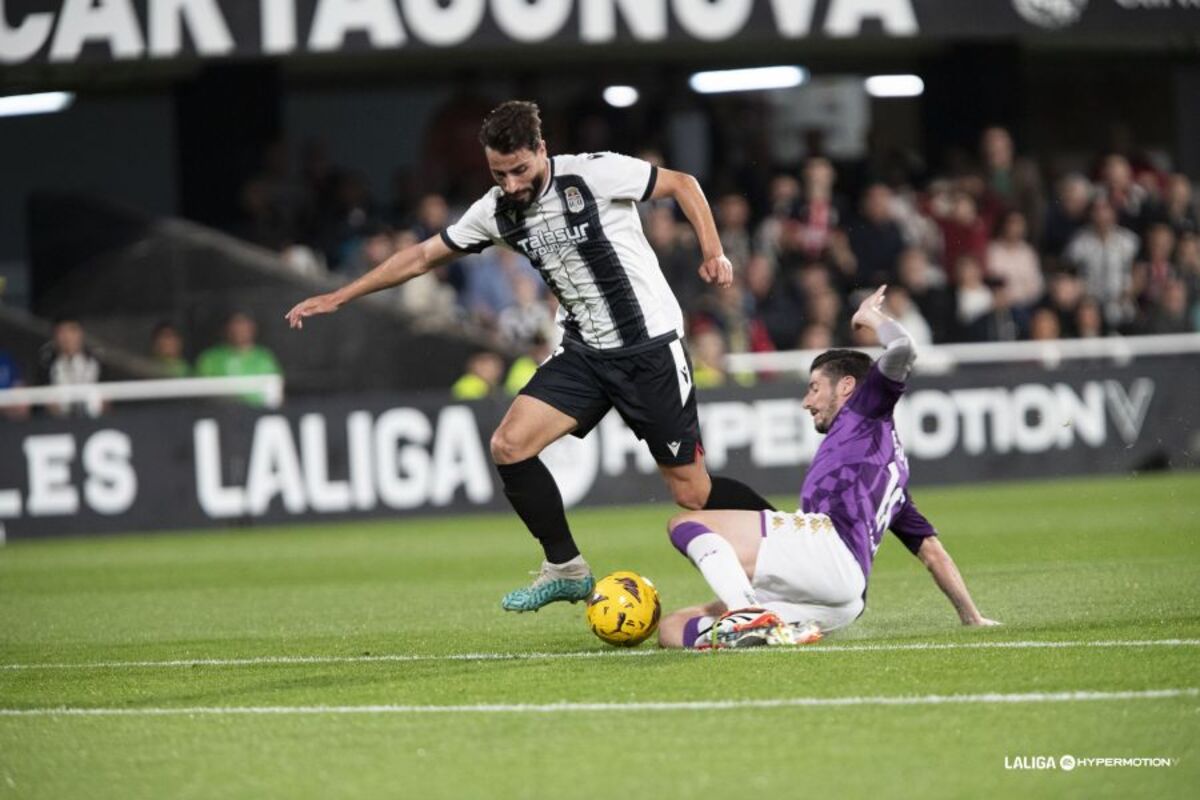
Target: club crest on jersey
{"type": "Point", "coordinates": [574, 200]}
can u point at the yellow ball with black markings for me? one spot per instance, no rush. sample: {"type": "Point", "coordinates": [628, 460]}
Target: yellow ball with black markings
{"type": "Point", "coordinates": [624, 609]}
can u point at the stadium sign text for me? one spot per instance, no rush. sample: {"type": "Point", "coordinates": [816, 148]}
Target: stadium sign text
{"type": "Point", "coordinates": [158, 29]}
{"type": "Point", "coordinates": [63, 470]}
{"type": "Point", "coordinates": [400, 459]}
{"type": "Point", "coordinates": [379, 455]}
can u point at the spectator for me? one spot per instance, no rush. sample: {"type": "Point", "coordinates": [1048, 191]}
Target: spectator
{"type": "Point", "coordinates": [1187, 257]}
{"type": "Point", "coordinates": [899, 305]}
{"type": "Point", "coordinates": [1171, 315]}
{"type": "Point", "coordinates": [775, 307]}
{"type": "Point", "coordinates": [1128, 199]}
{"type": "Point", "coordinates": [521, 372]}
{"type": "Point", "coordinates": [1011, 183]}
{"type": "Point", "coordinates": [964, 233]}
{"type": "Point", "coordinates": [815, 336]}
{"type": "Point", "coordinates": [166, 349]}
{"type": "Point", "coordinates": [527, 318]}
{"type": "Point", "coordinates": [1067, 214]}
{"type": "Point", "coordinates": [1104, 252]}
{"type": "Point", "coordinates": [1064, 295]}
{"type": "Point", "coordinates": [818, 215]}
{"type": "Point", "coordinates": [239, 355]}
{"type": "Point", "coordinates": [875, 238]}
{"type": "Point", "coordinates": [488, 284]}
{"type": "Point", "coordinates": [924, 284]}
{"type": "Point", "coordinates": [708, 360]}
{"type": "Point", "coordinates": [678, 255]}
{"type": "Point", "coordinates": [430, 295]}
{"type": "Point", "coordinates": [482, 378]}
{"type": "Point", "coordinates": [733, 226]}
{"type": "Point", "coordinates": [352, 218]}
{"type": "Point", "coordinates": [783, 205]}
{"type": "Point", "coordinates": [374, 244]}
{"type": "Point", "coordinates": [1152, 274]}
{"type": "Point", "coordinates": [982, 309]}
{"type": "Point", "coordinates": [1014, 263]}
{"type": "Point", "coordinates": [1178, 211]}
{"type": "Point", "coordinates": [66, 361]}
{"type": "Point", "coordinates": [731, 311]}
{"type": "Point", "coordinates": [1089, 319]}
{"type": "Point", "coordinates": [433, 214]}
{"type": "Point", "coordinates": [1043, 325]}
{"type": "Point", "coordinates": [825, 308]}
{"type": "Point", "coordinates": [11, 378]}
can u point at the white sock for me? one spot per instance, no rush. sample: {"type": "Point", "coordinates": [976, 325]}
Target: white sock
{"type": "Point", "coordinates": [575, 568]}
{"type": "Point", "coordinates": [718, 563]}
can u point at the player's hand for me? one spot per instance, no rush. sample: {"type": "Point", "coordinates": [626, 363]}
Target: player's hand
{"type": "Point", "coordinates": [717, 270]}
{"type": "Point", "coordinates": [870, 311]}
{"type": "Point", "coordinates": [321, 304]}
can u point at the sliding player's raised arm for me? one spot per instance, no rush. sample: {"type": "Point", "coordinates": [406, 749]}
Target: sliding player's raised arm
{"type": "Point", "coordinates": [401, 266]}
{"type": "Point", "coordinates": [899, 351]}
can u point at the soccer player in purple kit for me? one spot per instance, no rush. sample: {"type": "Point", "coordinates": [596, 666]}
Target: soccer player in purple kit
{"type": "Point", "coordinates": [784, 578]}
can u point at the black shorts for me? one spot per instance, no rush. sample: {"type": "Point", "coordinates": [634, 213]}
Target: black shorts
{"type": "Point", "coordinates": [651, 389]}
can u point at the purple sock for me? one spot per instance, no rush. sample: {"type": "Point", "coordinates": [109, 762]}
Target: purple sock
{"type": "Point", "coordinates": [683, 533]}
{"type": "Point", "coordinates": [691, 631]}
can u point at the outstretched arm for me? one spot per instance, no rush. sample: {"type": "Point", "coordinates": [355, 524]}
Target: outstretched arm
{"type": "Point", "coordinates": [686, 191]}
{"type": "Point", "coordinates": [401, 266]}
{"type": "Point", "coordinates": [946, 575]}
{"type": "Point", "coordinates": [899, 352]}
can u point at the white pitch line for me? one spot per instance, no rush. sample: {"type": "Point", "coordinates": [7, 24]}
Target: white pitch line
{"type": "Point", "coordinates": [663, 705]}
{"type": "Point", "coordinates": [407, 657]}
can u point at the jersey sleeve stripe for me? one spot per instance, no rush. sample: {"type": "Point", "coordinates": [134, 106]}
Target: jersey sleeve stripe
{"type": "Point", "coordinates": [478, 247]}
{"type": "Point", "coordinates": [650, 184]}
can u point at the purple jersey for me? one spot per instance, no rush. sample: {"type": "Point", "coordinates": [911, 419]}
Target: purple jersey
{"type": "Point", "coordinates": [859, 475]}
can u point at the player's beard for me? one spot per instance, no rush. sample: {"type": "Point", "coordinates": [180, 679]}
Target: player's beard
{"type": "Point", "coordinates": [524, 199]}
{"type": "Point", "coordinates": [823, 419]}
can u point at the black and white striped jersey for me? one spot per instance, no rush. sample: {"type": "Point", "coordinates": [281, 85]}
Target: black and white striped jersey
{"type": "Point", "coordinates": [584, 236]}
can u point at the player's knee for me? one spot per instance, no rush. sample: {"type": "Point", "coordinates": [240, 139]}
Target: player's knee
{"type": "Point", "coordinates": [506, 449]}
{"type": "Point", "coordinates": [680, 518]}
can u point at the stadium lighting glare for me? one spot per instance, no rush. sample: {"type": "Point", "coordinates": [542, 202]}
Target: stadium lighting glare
{"type": "Point", "coordinates": [756, 79]}
{"type": "Point", "coordinates": [620, 96]}
{"type": "Point", "coordinates": [21, 105]}
{"type": "Point", "coordinates": [895, 86]}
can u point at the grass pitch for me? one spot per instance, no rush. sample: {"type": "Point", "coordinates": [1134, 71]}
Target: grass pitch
{"type": "Point", "coordinates": [372, 660]}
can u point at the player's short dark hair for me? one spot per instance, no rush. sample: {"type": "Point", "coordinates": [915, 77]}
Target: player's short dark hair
{"type": "Point", "coordinates": [837, 364]}
{"type": "Point", "coordinates": [512, 126]}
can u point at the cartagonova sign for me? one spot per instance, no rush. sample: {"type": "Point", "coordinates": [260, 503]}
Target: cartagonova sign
{"type": "Point", "coordinates": [163, 29]}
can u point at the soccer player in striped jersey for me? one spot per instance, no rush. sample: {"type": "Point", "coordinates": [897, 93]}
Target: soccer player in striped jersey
{"type": "Point", "coordinates": [783, 578]}
{"type": "Point", "coordinates": [575, 218]}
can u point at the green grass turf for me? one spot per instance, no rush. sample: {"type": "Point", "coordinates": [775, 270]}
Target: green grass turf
{"type": "Point", "coordinates": [1111, 559]}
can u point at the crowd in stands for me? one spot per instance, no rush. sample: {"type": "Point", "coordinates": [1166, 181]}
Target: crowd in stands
{"type": "Point", "coordinates": [66, 360]}
{"type": "Point", "coordinates": [989, 251]}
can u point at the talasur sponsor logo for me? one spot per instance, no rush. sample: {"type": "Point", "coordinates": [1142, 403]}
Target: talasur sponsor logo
{"type": "Point", "coordinates": [542, 243]}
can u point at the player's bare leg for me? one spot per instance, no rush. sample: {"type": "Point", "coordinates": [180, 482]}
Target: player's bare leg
{"type": "Point", "coordinates": [693, 488]}
{"type": "Point", "coordinates": [529, 426]}
{"type": "Point", "coordinates": [690, 484]}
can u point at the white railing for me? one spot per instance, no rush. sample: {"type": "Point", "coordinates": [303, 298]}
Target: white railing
{"type": "Point", "coordinates": [95, 395]}
{"type": "Point", "coordinates": [945, 358]}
